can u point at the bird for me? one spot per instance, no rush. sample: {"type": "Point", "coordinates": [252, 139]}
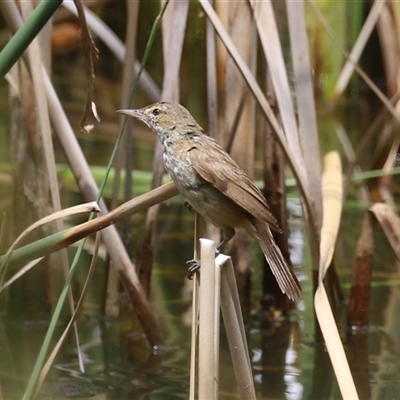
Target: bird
{"type": "Point", "coordinates": [214, 185]}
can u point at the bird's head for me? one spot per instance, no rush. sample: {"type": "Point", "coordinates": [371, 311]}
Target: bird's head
{"type": "Point", "coordinates": [165, 118]}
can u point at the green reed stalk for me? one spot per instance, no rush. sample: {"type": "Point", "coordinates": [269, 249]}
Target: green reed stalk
{"type": "Point", "coordinates": [24, 36]}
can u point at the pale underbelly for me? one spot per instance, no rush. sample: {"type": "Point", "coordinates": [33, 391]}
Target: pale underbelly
{"type": "Point", "coordinates": [214, 206]}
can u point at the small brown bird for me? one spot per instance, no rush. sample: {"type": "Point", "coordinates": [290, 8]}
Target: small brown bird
{"type": "Point", "coordinates": [214, 185]}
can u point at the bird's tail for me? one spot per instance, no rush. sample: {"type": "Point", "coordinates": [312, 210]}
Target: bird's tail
{"type": "Point", "coordinates": [284, 275]}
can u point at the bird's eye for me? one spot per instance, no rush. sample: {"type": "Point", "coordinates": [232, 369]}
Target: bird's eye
{"type": "Point", "coordinates": [156, 111]}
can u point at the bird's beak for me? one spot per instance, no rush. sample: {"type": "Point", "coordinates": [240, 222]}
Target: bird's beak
{"type": "Point", "coordinates": [132, 113]}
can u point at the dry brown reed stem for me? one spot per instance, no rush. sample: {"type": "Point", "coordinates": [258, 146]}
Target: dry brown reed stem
{"type": "Point", "coordinates": [305, 103]}
{"type": "Point", "coordinates": [125, 151]}
{"type": "Point", "coordinates": [115, 45]}
{"type": "Point", "coordinates": [129, 208]}
{"type": "Point", "coordinates": [236, 130]}
{"type": "Point", "coordinates": [89, 52]}
{"type": "Point", "coordinates": [387, 29]}
{"type": "Point", "coordinates": [360, 292]}
{"type": "Point", "coordinates": [173, 33]}
{"type": "Point", "coordinates": [273, 301]}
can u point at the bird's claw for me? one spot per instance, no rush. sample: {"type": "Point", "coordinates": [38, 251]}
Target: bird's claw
{"type": "Point", "coordinates": [194, 265]}
{"type": "Point", "coordinates": [188, 206]}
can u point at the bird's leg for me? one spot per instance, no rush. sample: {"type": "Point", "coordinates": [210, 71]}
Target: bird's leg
{"type": "Point", "coordinates": [194, 265]}
{"type": "Point", "coordinates": [227, 235]}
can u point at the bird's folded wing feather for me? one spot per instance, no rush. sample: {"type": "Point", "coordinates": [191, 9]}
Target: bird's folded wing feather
{"type": "Point", "coordinates": [231, 180]}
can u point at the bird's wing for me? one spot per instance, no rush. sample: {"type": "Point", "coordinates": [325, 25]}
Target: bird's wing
{"type": "Point", "coordinates": [231, 180]}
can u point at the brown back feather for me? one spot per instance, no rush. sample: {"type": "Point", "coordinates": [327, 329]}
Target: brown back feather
{"type": "Point", "coordinates": [231, 180]}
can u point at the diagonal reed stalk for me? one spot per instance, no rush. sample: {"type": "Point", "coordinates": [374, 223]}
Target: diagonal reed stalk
{"type": "Point", "coordinates": [24, 36]}
{"type": "Point", "coordinates": [385, 101]}
{"type": "Point", "coordinates": [69, 236]}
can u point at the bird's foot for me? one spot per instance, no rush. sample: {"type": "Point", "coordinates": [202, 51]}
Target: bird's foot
{"type": "Point", "coordinates": [188, 206]}
{"type": "Point", "coordinates": [194, 265]}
